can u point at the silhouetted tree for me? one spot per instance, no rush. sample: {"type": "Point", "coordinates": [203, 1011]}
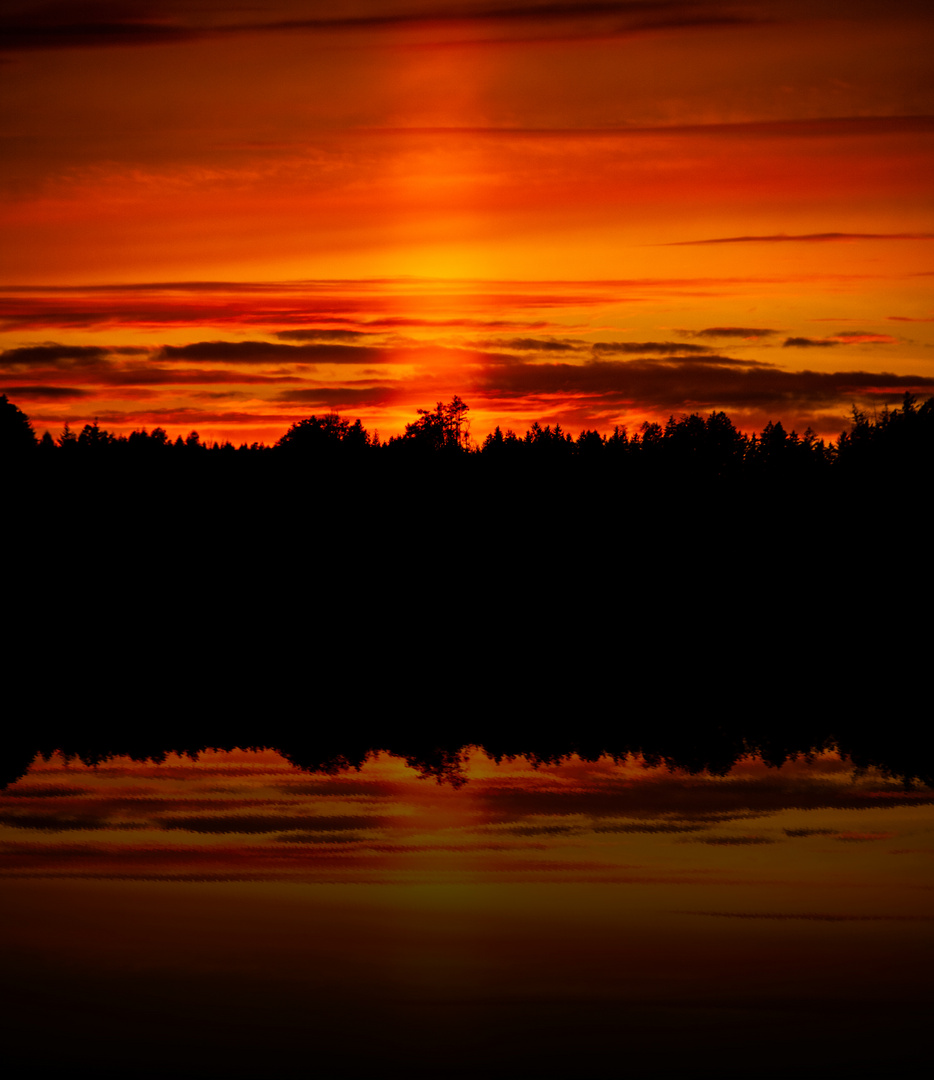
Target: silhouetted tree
{"type": "Point", "coordinates": [324, 434]}
{"type": "Point", "coordinates": [494, 442]}
{"type": "Point", "coordinates": [93, 438]}
{"type": "Point", "coordinates": [443, 428]}
{"type": "Point", "coordinates": [589, 445]}
{"type": "Point", "coordinates": [16, 434]}
{"type": "Point", "coordinates": [68, 440]}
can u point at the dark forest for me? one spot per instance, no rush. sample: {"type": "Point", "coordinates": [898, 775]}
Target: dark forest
{"type": "Point", "coordinates": [685, 572]}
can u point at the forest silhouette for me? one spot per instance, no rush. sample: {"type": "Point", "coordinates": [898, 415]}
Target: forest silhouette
{"type": "Point", "coordinates": [686, 573]}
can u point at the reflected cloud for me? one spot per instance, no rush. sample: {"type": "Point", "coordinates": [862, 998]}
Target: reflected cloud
{"type": "Point", "coordinates": [254, 816]}
{"type": "Point", "coordinates": [63, 822]}
{"type": "Point", "coordinates": [267, 823]}
{"type": "Point", "coordinates": [809, 916]}
{"type": "Point", "coordinates": [732, 841]}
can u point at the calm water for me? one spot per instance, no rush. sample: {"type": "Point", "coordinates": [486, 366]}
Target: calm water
{"type": "Point", "coordinates": [234, 916]}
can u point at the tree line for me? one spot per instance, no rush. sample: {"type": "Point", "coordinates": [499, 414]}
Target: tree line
{"type": "Point", "coordinates": [691, 444]}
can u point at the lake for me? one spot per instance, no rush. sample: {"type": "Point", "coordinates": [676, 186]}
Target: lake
{"type": "Point", "coordinates": [232, 914]}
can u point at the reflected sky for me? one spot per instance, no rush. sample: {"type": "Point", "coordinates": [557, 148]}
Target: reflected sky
{"type": "Point", "coordinates": [231, 910]}
{"type": "Point", "coordinates": [253, 816]}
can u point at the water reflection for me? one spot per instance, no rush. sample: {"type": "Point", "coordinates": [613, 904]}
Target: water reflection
{"type": "Point", "coordinates": [229, 914]}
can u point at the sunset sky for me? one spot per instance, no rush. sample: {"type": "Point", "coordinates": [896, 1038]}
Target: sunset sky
{"type": "Point", "coordinates": [227, 216]}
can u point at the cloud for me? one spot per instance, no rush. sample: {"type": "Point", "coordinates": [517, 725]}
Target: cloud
{"type": "Point", "coordinates": [187, 418]}
{"type": "Point", "coordinates": [660, 348]}
{"type": "Point", "coordinates": [323, 335]}
{"type": "Point", "coordinates": [38, 315]}
{"type": "Point", "coordinates": [690, 384]}
{"type": "Point", "coordinates": [61, 26]}
{"type": "Point", "coordinates": [746, 333]}
{"type": "Point", "coordinates": [47, 393]}
{"type": "Point", "coordinates": [640, 14]}
{"type": "Point", "coordinates": [63, 822]}
{"type": "Point", "coordinates": [51, 353]}
{"type": "Point", "coordinates": [805, 238]}
{"type": "Point", "coordinates": [863, 837]}
{"type": "Point", "coordinates": [347, 305]}
{"type": "Point", "coordinates": [601, 804]}
{"type": "Point", "coordinates": [809, 343]}
{"type": "Point", "coordinates": [856, 337]}
{"type": "Point", "coordinates": [25, 790]}
{"type": "Point", "coordinates": [264, 352]}
{"type": "Point", "coordinates": [354, 305]}
{"type": "Point", "coordinates": [406, 322]}
{"type": "Point", "coordinates": [531, 344]}
{"type": "Point", "coordinates": [823, 128]}
{"type": "Point", "coordinates": [402, 322]}
{"type": "Point", "coordinates": [863, 338]}
{"type": "Point", "coordinates": [106, 373]}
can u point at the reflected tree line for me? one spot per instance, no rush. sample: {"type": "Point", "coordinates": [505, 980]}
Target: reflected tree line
{"type": "Point", "coordinates": [908, 756]}
{"type": "Point", "coordinates": [691, 446]}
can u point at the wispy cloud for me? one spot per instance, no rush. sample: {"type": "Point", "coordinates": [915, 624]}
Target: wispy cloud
{"type": "Point", "coordinates": [821, 129]}
{"type": "Point", "coordinates": [803, 238]}
{"type": "Point", "coordinates": [858, 337]}
{"type": "Point", "coordinates": [827, 127]}
{"type": "Point", "coordinates": [654, 348]}
{"type": "Point", "coordinates": [59, 26]}
{"type": "Point", "coordinates": [690, 384]}
{"type": "Point", "coordinates": [809, 343]}
{"type": "Point", "coordinates": [746, 333]}
{"type": "Point", "coordinates": [265, 352]}
{"type": "Point", "coordinates": [531, 344]}
{"type": "Point", "coordinates": [64, 26]}
{"type": "Point", "coordinates": [853, 338]}
{"type": "Point", "coordinates": [51, 354]}
{"type": "Point", "coordinates": [323, 335]}
{"type": "Point", "coordinates": [365, 306]}
{"type": "Point", "coordinates": [47, 393]}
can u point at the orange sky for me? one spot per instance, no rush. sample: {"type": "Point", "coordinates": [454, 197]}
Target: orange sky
{"type": "Point", "coordinates": [226, 218]}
